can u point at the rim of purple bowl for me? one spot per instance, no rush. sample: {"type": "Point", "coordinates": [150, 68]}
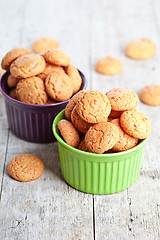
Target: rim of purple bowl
{"type": "Point", "coordinates": [83, 86]}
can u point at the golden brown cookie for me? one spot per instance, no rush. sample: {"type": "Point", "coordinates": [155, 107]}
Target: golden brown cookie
{"type": "Point", "coordinates": [79, 123]}
{"type": "Point", "coordinates": [125, 141]}
{"type": "Point", "coordinates": [48, 69]}
{"type": "Point", "coordinates": [74, 75]}
{"type": "Point", "coordinates": [31, 90]}
{"type": "Point", "coordinates": [82, 146]}
{"type": "Point", "coordinates": [122, 99]}
{"type": "Point", "coordinates": [12, 56]}
{"type": "Point", "coordinates": [69, 133]}
{"type": "Point", "coordinates": [25, 167]}
{"type": "Point", "coordinates": [135, 123]}
{"type": "Point", "coordinates": [141, 49]}
{"type": "Point", "coordinates": [13, 94]}
{"type": "Point", "coordinates": [71, 104]}
{"type": "Point", "coordinates": [101, 137]}
{"type": "Point", "coordinates": [2, 72]}
{"type": "Point", "coordinates": [150, 95]}
{"type": "Point", "coordinates": [27, 66]}
{"type": "Point", "coordinates": [109, 66]}
{"type": "Point", "coordinates": [115, 114]}
{"type": "Point", "coordinates": [57, 57]}
{"type": "Point", "coordinates": [12, 81]}
{"type": "Point", "coordinates": [43, 44]}
{"type": "Point", "coordinates": [93, 107]}
{"type": "Point", "coordinates": [59, 86]}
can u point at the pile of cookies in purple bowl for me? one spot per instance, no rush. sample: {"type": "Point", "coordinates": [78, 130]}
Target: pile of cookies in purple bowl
{"type": "Point", "coordinates": [36, 88]}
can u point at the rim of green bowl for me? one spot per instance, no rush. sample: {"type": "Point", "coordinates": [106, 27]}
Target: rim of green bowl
{"type": "Point", "coordinates": [108, 155]}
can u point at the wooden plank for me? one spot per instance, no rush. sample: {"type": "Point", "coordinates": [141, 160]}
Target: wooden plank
{"type": "Point", "coordinates": [48, 208]}
{"type": "Point", "coordinates": [133, 213]}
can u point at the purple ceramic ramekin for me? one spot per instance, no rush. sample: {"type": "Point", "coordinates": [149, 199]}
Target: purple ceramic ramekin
{"type": "Point", "coordinates": [32, 122]}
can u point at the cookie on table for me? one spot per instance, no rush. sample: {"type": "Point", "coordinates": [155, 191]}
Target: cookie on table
{"type": "Point", "coordinates": [150, 95]}
{"type": "Point", "coordinates": [72, 103]}
{"type": "Point", "coordinates": [57, 57]}
{"type": "Point", "coordinates": [125, 141]}
{"type": "Point", "coordinates": [59, 86]}
{"type": "Point", "coordinates": [13, 94]}
{"type": "Point", "coordinates": [69, 133]}
{"type": "Point", "coordinates": [93, 107]}
{"type": "Point", "coordinates": [48, 69]}
{"type": "Point", "coordinates": [109, 66]}
{"type": "Point", "coordinates": [101, 137]}
{"type": "Point", "coordinates": [122, 99]}
{"type": "Point", "coordinates": [12, 81]}
{"type": "Point", "coordinates": [27, 66]}
{"type": "Point", "coordinates": [74, 75]}
{"type": "Point", "coordinates": [135, 123]}
{"type": "Point", "coordinates": [79, 123]}
{"type": "Point", "coordinates": [140, 49]}
{"type": "Point", "coordinates": [82, 146]}
{"type": "Point", "coordinates": [43, 44]}
{"type": "Point", "coordinates": [31, 90]}
{"type": "Point", "coordinates": [12, 56]}
{"type": "Point", "coordinates": [25, 167]}
{"type": "Point", "coordinates": [115, 114]}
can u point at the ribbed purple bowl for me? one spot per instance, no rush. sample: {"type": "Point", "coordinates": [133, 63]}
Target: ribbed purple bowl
{"type": "Point", "coordinates": [32, 122]}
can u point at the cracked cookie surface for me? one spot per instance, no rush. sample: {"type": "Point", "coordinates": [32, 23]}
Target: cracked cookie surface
{"type": "Point", "coordinates": [135, 123]}
{"type": "Point", "coordinates": [48, 69]}
{"type": "Point", "coordinates": [59, 86]}
{"type": "Point", "coordinates": [125, 141]}
{"type": "Point", "coordinates": [69, 133]}
{"type": "Point", "coordinates": [75, 77]}
{"type": "Point", "coordinates": [57, 57]}
{"type": "Point", "coordinates": [12, 56]}
{"type": "Point", "coordinates": [25, 167]}
{"type": "Point", "coordinates": [101, 137]}
{"type": "Point", "coordinates": [31, 90]}
{"type": "Point", "coordinates": [122, 99]}
{"type": "Point", "coordinates": [93, 107]}
{"type": "Point", "coordinates": [27, 66]}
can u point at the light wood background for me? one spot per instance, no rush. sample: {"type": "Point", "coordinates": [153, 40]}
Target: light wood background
{"type": "Point", "coordinates": [48, 208]}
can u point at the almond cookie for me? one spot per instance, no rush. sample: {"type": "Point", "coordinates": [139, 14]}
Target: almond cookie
{"type": "Point", "coordinates": [140, 49]}
{"type": "Point", "coordinates": [31, 90]}
{"type": "Point", "coordinates": [122, 99]}
{"type": "Point", "coordinates": [101, 137]}
{"type": "Point", "coordinates": [59, 86]}
{"type": "Point", "coordinates": [57, 57]}
{"type": "Point", "coordinates": [71, 104]}
{"type": "Point", "coordinates": [79, 123]}
{"type": "Point", "coordinates": [48, 69]}
{"type": "Point", "coordinates": [25, 167]}
{"type": "Point", "coordinates": [27, 66]}
{"type": "Point", "coordinates": [74, 75]}
{"type": "Point", "coordinates": [43, 44]}
{"type": "Point", "coordinates": [82, 146]}
{"type": "Point", "coordinates": [125, 141]}
{"type": "Point", "coordinates": [13, 55]}
{"type": "Point", "coordinates": [115, 114]}
{"type": "Point", "coordinates": [12, 81]}
{"type": "Point", "coordinates": [135, 123]}
{"type": "Point", "coordinates": [93, 107]}
{"type": "Point", "coordinates": [150, 95]}
{"type": "Point", "coordinates": [69, 133]}
{"type": "Point", "coordinates": [13, 94]}
{"type": "Point", "coordinates": [109, 66]}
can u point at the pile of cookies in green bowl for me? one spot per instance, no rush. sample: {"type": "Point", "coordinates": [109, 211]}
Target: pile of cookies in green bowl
{"type": "Point", "coordinates": [101, 140]}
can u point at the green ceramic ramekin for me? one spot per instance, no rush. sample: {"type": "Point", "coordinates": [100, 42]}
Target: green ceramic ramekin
{"type": "Point", "coordinates": [98, 173]}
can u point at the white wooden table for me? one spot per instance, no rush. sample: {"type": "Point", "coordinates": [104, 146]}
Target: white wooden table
{"type": "Point", "coordinates": [48, 208]}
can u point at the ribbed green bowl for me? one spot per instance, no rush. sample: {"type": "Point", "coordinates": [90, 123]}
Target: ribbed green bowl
{"type": "Point", "coordinates": [98, 173]}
